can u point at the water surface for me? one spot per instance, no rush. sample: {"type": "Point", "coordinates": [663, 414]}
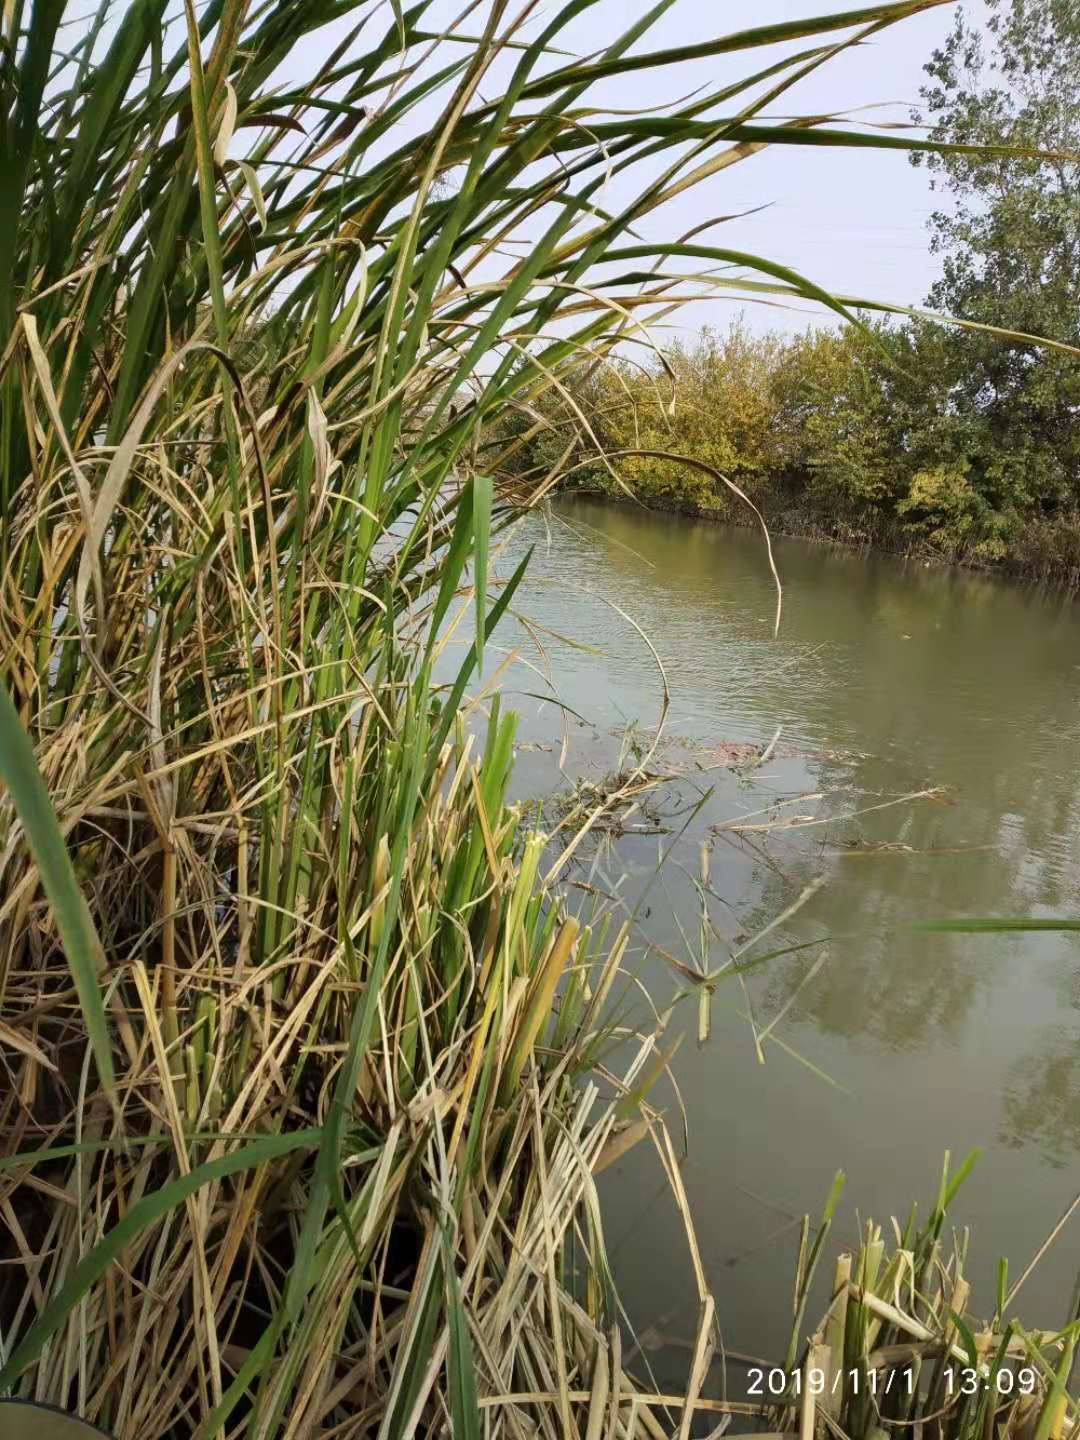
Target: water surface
{"type": "Point", "coordinates": [886, 678]}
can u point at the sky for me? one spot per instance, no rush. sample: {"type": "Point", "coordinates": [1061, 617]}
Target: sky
{"type": "Point", "coordinates": [853, 221]}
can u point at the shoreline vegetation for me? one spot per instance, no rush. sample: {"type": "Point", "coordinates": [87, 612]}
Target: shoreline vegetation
{"type": "Point", "coordinates": [851, 437]}
{"type": "Point", "coordinates": [309, 1069]}
{"type": "Point", "coordinates": [793, 525]}
{"type": "Point", "coordinates": [956, 442]}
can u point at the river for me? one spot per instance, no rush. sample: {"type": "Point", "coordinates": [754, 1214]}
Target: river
{"type": "Point", "coordinates": [887, 678]}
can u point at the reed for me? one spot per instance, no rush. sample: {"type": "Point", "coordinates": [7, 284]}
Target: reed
{"type": "Point", "coordinates": [898, 1348]}
{"type": "Point", "coordinates": [292, 1143]}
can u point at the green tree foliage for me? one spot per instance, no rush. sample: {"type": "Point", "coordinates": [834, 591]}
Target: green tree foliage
{"type": "Point", "coordinates": [812, 428]}
{"type": "Point", "coordinates": [1009, 238]}
{"type": "Point", "coordinates": [835, 423]}
{"type": "Point", "coordinates": [855, 435]}
{"type": "Point", "coordinates": [710, 400]}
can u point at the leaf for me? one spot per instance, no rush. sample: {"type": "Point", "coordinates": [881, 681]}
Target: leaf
{"type": "Point", "coordinates": [226, 126]}
{"type": "Point", "coordinates": [949, 1189]}
{"type": "Point", "coordinates": [964, 1331]}
{"type": "Point", "coordinates": [454, 562]}
{"type": "Point", "coordinates": [629, 1103]}
{"type": "Point", "coordinates": [25, 1046]}
{"type": "Point", "coordinates": [536, 1010]}
{"type": "Point", "coordinates": [82, 948]}
{"type": "Point", "coordinates": [464, 1409]}
{"type": "Point", "coordinates": [494, 616]}
{"type": "Point", "coordinates": [620, 1143]}
{"type": "Point", "coordinates": [760, 263]}
{"type": "Point", "coordinates": [482, 534]}
{"type": "Point", "coordinates": [399, 16]}
{"type": "Point", "coordinates": [748, 39]}
{"type": "Point", "coordinates": [255, 191]}
{"type": "Point", "coordinates": [324, 463]}
{"type": "Point", "coordinates": [273, 122]}
{"type": "Point", "coordinates": [110, 80]}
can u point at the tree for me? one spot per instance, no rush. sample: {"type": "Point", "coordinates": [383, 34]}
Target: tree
{"type": "Point", "coordinates": [1010, 245]}
{"type": "Point", "coordinates": [836, 422]}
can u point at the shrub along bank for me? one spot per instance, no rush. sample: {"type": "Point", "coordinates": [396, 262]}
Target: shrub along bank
{"type": "Point", "coordinates": [858, 435]}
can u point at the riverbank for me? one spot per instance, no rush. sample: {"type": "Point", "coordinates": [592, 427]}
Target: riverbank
{"type": "Point", "coordinates": [323, 1084]}
{"type": "Point", "coordinates": [1045, 552]}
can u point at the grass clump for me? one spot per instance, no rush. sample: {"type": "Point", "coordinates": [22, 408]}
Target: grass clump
{"type": "Point", "coordinates": [900, 1349]}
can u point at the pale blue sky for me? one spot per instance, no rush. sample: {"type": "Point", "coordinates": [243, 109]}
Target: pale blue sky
{"type": "Point", "coordinates": [851, 221]}
{"type": "Point", "coordinates": [854, 221]}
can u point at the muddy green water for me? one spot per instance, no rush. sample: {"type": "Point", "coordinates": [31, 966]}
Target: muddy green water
{"type": "Point", "coordinates": [886, 678]}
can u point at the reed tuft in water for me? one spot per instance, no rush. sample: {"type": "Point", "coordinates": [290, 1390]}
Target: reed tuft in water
{"type": "Point", "coordinates": [899, 1348]}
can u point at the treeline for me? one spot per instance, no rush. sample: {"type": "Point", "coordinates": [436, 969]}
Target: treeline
{"type": "Point", "coordinates": [961, 443]}
{"type": "Point", "coordinates": [864, 435]}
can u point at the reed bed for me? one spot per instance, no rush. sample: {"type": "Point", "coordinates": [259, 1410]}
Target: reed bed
{"type": "Point", "coordinates": [899, 1351]}
{"type": "Point", "coordinates": [306, 1088]}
